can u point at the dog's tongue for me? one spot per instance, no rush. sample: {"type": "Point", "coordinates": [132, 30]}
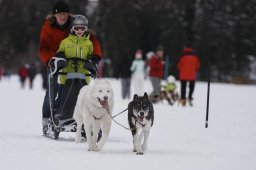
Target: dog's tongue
{"type": "Point", "coordinates": [141, 119]}
{"type": "Point", "coordinates": [104, 104]}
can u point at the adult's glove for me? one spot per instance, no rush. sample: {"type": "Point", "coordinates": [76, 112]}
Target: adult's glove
{"type": "Point", "coordinates": [92, 67]}
{"type": "Point", "coordinates": [58, 62]}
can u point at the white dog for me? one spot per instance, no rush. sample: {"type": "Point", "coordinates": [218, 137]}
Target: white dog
{"type": "Point", "coordinates": [93, 109]}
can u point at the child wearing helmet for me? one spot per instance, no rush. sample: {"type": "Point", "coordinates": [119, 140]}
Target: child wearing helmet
{"type": "Point", "coordinates": [169, 92]}
{"type": "Point", "coordinates": [77, 46]}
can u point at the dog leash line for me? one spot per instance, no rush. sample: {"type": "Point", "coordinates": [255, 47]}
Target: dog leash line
{"type": "Point", "coordinates": [121, 125]}
{"type": "Point", "coordinates": [119, 113]}
{"type": "Point", "coordinates": [112, 117]}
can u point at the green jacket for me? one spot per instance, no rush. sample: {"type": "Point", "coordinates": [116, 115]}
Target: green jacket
{"type": "Point", "coordinates": [170, 87]}
{"type": "Point", "coordinates": [75, 47]}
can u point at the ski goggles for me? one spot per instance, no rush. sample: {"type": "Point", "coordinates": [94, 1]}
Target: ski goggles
{"type": "Point", "coordinates": [77, 28]}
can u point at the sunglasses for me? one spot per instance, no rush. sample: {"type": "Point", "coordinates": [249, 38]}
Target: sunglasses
{"type": "Point", "coordinates": [77, 28]}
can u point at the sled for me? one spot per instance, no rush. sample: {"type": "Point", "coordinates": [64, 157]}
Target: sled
{"type": "Point", "coordinates": [61, 119]}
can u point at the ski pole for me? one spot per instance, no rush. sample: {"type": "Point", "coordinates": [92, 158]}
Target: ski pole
{"type": "Point", "coordinates": [208, 95]}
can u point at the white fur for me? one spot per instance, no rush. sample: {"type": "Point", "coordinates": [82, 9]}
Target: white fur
{"type": "Point", "coordinates": [140, 138]}
{"type": "Point", "coordinates": [88, 107]}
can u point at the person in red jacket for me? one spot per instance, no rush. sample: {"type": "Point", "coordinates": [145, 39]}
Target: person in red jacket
{"type": "Point", "coordinates": [23, 74]}
{"type": "Point", "coordinates": [55, 29]}
{"type": "Point", "coordinates": [156, 72]}
{"type": "Point", "coordinates": [188, 66]}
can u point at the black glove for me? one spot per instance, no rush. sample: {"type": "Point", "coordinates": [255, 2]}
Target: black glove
{"type": "Point", "coordinates": [60, 54]}
{"type": "Point", "coordinates": [92, 67]}
{"type": "Point", "coordinates": [95, 59]}
{"type": "Point", "coordinates": [59, 61]}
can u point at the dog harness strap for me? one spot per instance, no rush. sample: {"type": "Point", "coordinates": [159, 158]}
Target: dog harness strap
{"type": "Point", "coordinates": [97, 118]}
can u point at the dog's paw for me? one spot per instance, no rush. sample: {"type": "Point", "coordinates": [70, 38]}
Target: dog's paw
{"type": "Point", "coordinates": [140, 153]}
{"type": "Point", "coordinates": [91, 148]}
{"type": "Point", "coordinates": [97, 149]}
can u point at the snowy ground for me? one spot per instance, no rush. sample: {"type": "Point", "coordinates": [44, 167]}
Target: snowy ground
{"type": "Point", "coordinates": [178, 140]}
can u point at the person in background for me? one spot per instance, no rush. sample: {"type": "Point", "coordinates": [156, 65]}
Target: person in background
{"type": "Point", "coordinates": [188, 66]}
{"type": "Point", "coordinates": [169, 90]}
{"type": "Point", "coordinates": [1, 72]}
{"type": "Point", "coordinates": [124, 73]}
{"type": "Point", "coordinates": [55, 29]}
{"type": "Point", "coordinates": [148, 55]}
{"type": "Point", "coordinates": [138, 73]}
{"type": "Point", "coordinates": [23, 74]}
{"type": "Point", "coordinates": [156, 72]}
{"type": "Point", "coordinates": [31, 74]}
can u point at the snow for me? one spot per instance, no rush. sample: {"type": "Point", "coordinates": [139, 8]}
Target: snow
{"type": "Point", "coordinates": [178, 139]}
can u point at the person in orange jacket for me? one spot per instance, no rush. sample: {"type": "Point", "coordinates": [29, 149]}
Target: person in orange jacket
{"type": "Point", "coordinates": [55, 29]}
{"type": "Point", "coordinates": [188, 66]}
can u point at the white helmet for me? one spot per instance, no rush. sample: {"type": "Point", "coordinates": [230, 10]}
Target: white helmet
{"type": "Point", "coordinates": [171, 79]}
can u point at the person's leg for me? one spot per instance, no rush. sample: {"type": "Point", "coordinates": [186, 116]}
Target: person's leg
{"type": "Point", "coordinates": [135, 79]}
{"type": "Point", "coordinates": [128, 87]}
{"type": "Point", "coordinates": [183, 89]}
{"type": "Point", "coordinates": [138, 84]}
{"type": "Point", "coordinates": [158, 86]}
{"type": "Point", "coordinates": [154, 85]}
{"type": "Point", "coordinates": [141, 85]}
{"type": "Point", "coordinates": [191, 89]}
{"type": "Point", "coordinates": [183, 92]}
{"type": "Point", "coordinates": [123, 87]}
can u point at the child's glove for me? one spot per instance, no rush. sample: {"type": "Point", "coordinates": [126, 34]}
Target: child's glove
{"type": "Point", "coordinates": [92, 67]}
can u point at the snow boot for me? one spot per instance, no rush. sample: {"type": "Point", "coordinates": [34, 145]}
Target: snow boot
{"type": "Point", "coordinates": [183, 102]}
{"type": "Point", "coordinates": [190, 102]}
{"type": "Point", "coordinates": [45, 122]}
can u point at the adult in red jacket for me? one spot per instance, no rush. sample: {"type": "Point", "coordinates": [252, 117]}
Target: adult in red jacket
{"type": "Point", "coordinates": [55, 29]}
{"type": "Point", "coordinates": [156, 72]}
{"type": "Point", "coordinates": [188, 66]}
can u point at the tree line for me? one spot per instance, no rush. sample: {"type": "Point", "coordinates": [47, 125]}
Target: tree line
{"type": "Point", "coordinates": [221, 31]}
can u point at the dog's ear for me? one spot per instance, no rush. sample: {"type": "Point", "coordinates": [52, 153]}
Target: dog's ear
{"type": "Point", "coordinates": [145, 95]}
{"type": "Point", "coordinates": [135, 96]}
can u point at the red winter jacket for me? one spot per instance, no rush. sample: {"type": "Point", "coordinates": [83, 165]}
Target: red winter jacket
{"type": "Point", "coordinates": [51, 38]}
{"type": "Point", "coordinates": [23, 72]}
{"type": "Point", "coordinates": [188, 66]}
{"type": "Point", "coordinates": [156, 67]}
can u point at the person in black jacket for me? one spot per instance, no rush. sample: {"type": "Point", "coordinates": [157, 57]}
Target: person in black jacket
{"type": "Point", "coordinates": [31, 74]}
{"type": "Point", "coordinates": [124, 73]}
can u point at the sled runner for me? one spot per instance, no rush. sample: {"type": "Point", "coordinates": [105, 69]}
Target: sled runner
{"type": "Point", "coordinates": [61, 119]}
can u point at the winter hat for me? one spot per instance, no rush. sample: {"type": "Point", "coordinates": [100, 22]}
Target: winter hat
{"type": "Point", "coordinates": [187, 50]}
{"type": "Point", "coordinates": [160, 47]}
{"type": "Point", "coordinates": [150, 54]}
{"type": "Point", "coordinates": [138, 54]}
{"type": "Point", "coordinates": [60, 6]}
{"type": "Point", "coordinates": [171, 79]}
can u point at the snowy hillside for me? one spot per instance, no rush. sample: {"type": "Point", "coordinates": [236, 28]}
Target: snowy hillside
{"type": "Point", "coordinates": [178, 140]}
